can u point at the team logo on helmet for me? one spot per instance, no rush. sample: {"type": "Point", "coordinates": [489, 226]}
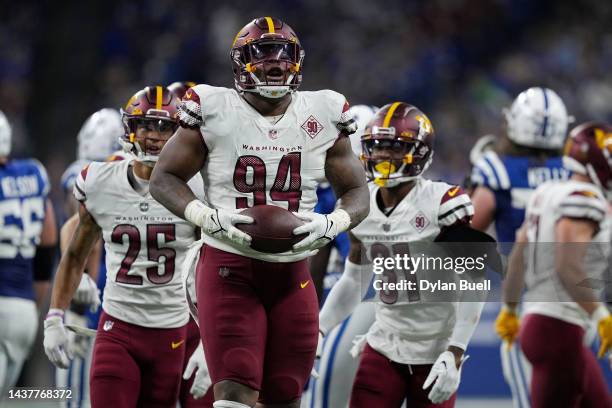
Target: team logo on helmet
{"type": "Point", "coordinates": [397, 144]}
{"type": "Point", "coordinates": [588, 151]}
{"type": "Point", "coordinates": [153, 109]}
{"type": "Point", "coordinates": [267, 58]}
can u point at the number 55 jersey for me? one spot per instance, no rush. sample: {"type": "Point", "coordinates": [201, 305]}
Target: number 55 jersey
{"type": "Point", "coordinates": [145, 246]}
{"type": "Point", "coordinates": [254, 160]}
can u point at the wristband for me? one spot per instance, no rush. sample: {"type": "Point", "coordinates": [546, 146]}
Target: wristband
{"type": "Point", "coordinates": [55, 313]}
{"type": "Point", "coordinates": [341, 218]}
{"type": "Point", "coordinates": [196, 211]}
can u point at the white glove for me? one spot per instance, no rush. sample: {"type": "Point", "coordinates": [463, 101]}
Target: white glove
{"type": "Point", "coordinates": [202, 380]}
{"type": "Point", "coordinates": [446, 376]}
{"type": "Point", "coordinates": [314, 373]}
{"type": "Point", "coordinates": [56, 339]}
{"type": "Point", "coordinates": [88, 293]}
{"type": "Point", "coordinates": [321, 229]}
{"type": "Point", "coordinates": [77, 344]}
{"type": "Point", "coordinates": [218, 223]}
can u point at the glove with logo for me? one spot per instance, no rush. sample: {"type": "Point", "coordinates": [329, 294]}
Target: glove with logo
{"type": "Point", "coordinates": [507, 325]}
{"type": "Point", "coordinates": [445, 378]}
{"type": "Point", "coordinates": [321, 229]}
{"type": "Point", "coordinates": [218, 223]}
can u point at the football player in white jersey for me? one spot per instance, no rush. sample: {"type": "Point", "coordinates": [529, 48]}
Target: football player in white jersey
{"type": "Point", "coordinates": [336, 366]}
{"type": "Point", "coordinates": [564, 243]}
{"type": "Point", "coordinates": [261, 143]}
{"type": "Point", "coordinates": [97, 139]}
{"type": "Point", "coordinates": [413, 345]}
{"type": "Point", "coordinates": [139, 346]}
{"type": "Point", "coordinates": [187, 399]}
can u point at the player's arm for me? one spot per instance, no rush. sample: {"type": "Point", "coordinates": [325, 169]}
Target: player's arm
{"type": "Point", "coordinates": [348, 180]}
{"type": "Point", "coordinates": [72, 263]}
{"type": "Point", "coordinates": [181, 158]}
{"type": "Point", "coordinates": [348, 292]}
{"type": "Point", "coordinates": [45, 255]}
{"type": "Point", "coordinates": [572, 237]}
{"type": "Point", "coordinates": [515, 277]}
{"type": "Point", "coordinates": [483, 200]}
{"type": "Point", "coordinates": [92, 266]}
{"type": "Point", "coordinates": [347, 177]}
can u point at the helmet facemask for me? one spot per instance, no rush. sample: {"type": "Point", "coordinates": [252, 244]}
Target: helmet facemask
{"type": "Point", "coordinates": [269, 67]}
{"type": "Point", "coordinates": [391, 160]}
{"type": "Point", "coordinates": [147, 137]}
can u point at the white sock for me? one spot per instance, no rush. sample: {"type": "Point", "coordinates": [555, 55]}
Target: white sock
{"type": "Point", "coordinates": [229, 404]}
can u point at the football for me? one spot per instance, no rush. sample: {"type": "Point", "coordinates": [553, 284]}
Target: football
{"type": "Point", "coordinates": [272, 231]}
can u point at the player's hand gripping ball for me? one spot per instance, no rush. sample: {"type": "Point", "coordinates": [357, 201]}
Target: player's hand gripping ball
{"type": "Point", "coordinates": [272, 231]}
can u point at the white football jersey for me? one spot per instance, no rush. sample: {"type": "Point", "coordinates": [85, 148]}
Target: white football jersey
{"type": "Point", "coordinates": [551, 201]}
{"type": "Point", "coordinates": [408, 328]}
{"type": "Point", "coordinates": [254, 160]}
{"type": "Point", "coordinates": [145, 246]}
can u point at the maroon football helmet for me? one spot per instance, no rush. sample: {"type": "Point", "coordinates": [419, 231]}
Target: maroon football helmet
{"type": "Point", "coordinates": [153, 108]}
{"type": "Point", "coordinates": [397, 144]}
{"type": "Point", "coordinates": [179, 88]}
{"type": "Point", "coordinates": [267, 58]}
{"type": "Point", "coordinates": [588, 151]}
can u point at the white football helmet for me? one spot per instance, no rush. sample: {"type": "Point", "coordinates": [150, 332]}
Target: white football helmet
{"type": "Point", "coordinates": [5, 136]}
{"type": "Point", "coordinates": [538, 118]}
{"type": "Point", "coordinates": [362, 115]}
{"type": "Point", "coordinates": [99, 135]}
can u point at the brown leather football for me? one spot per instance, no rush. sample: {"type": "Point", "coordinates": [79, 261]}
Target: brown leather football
{"type": "Point", "coordinates": [272, 231]}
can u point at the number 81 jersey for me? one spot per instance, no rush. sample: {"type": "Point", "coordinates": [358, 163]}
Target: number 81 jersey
{"type": "Point", "coordinates": [255, 160]}
{"type": "Point", "coordinates": [145, 247]}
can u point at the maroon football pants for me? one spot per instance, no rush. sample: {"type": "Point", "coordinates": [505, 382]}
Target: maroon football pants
{"type": "Point", "coordinates": [259, 322]}
{"type": "Point", "coordinates": [565, 372]}
{"type": "Point", "coordinates": [380, 382]}
{"type": "Point", "coordinates": [136, 366]}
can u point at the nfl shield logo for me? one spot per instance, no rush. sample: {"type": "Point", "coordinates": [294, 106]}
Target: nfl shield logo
{"type": "Point", "coordinates": [273, 134]}
{"type": "Point", "coordinates": [386, 227]}
{"type": "Point", "coordinates": [144, 206]}
{"type": "Point", "coordinates": [224, 271]}
{"type": "Point", "coordinates": [108, 325]}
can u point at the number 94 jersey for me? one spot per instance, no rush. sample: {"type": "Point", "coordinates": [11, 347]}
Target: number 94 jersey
{"type": "Point", "coordinates": [254, 160]}
{"type": "Point", "coordinates": [145, 247]}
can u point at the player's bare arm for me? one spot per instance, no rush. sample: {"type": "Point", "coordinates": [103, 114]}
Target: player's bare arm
{"type": "Point", "coordinates": [515, 278]}
{"type": "Point", "coordinates": [92, 265]}
{"type": "Point", "coordinates": [484, 208]}
{"type": "Point", "coordinates": [182, 157]}
{"type": "Point", "coordinates": [348, 179]}
{"type": "Point", "coordinates": [73, 260]}
{"type": "Point", "coordinates": [572, 238]}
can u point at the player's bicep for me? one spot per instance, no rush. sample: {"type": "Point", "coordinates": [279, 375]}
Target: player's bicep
{"type": "Point", "coordinates": [183, 155]}
{"type": "Point", "coordinates": [342, 168]}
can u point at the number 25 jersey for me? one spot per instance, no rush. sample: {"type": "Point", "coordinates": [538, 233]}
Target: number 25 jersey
{"type": "Point", "coordinates": [253, 160]}
{"type": "Point", "coordinates": [145, 247]}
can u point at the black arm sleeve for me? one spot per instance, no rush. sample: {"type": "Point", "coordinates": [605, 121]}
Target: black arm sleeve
{"type": "Point", "coordinates": [44, 260]}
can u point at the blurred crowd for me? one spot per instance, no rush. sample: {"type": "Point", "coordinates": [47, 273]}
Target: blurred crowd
{"type": "Point", "coordinates": [460, 61]}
